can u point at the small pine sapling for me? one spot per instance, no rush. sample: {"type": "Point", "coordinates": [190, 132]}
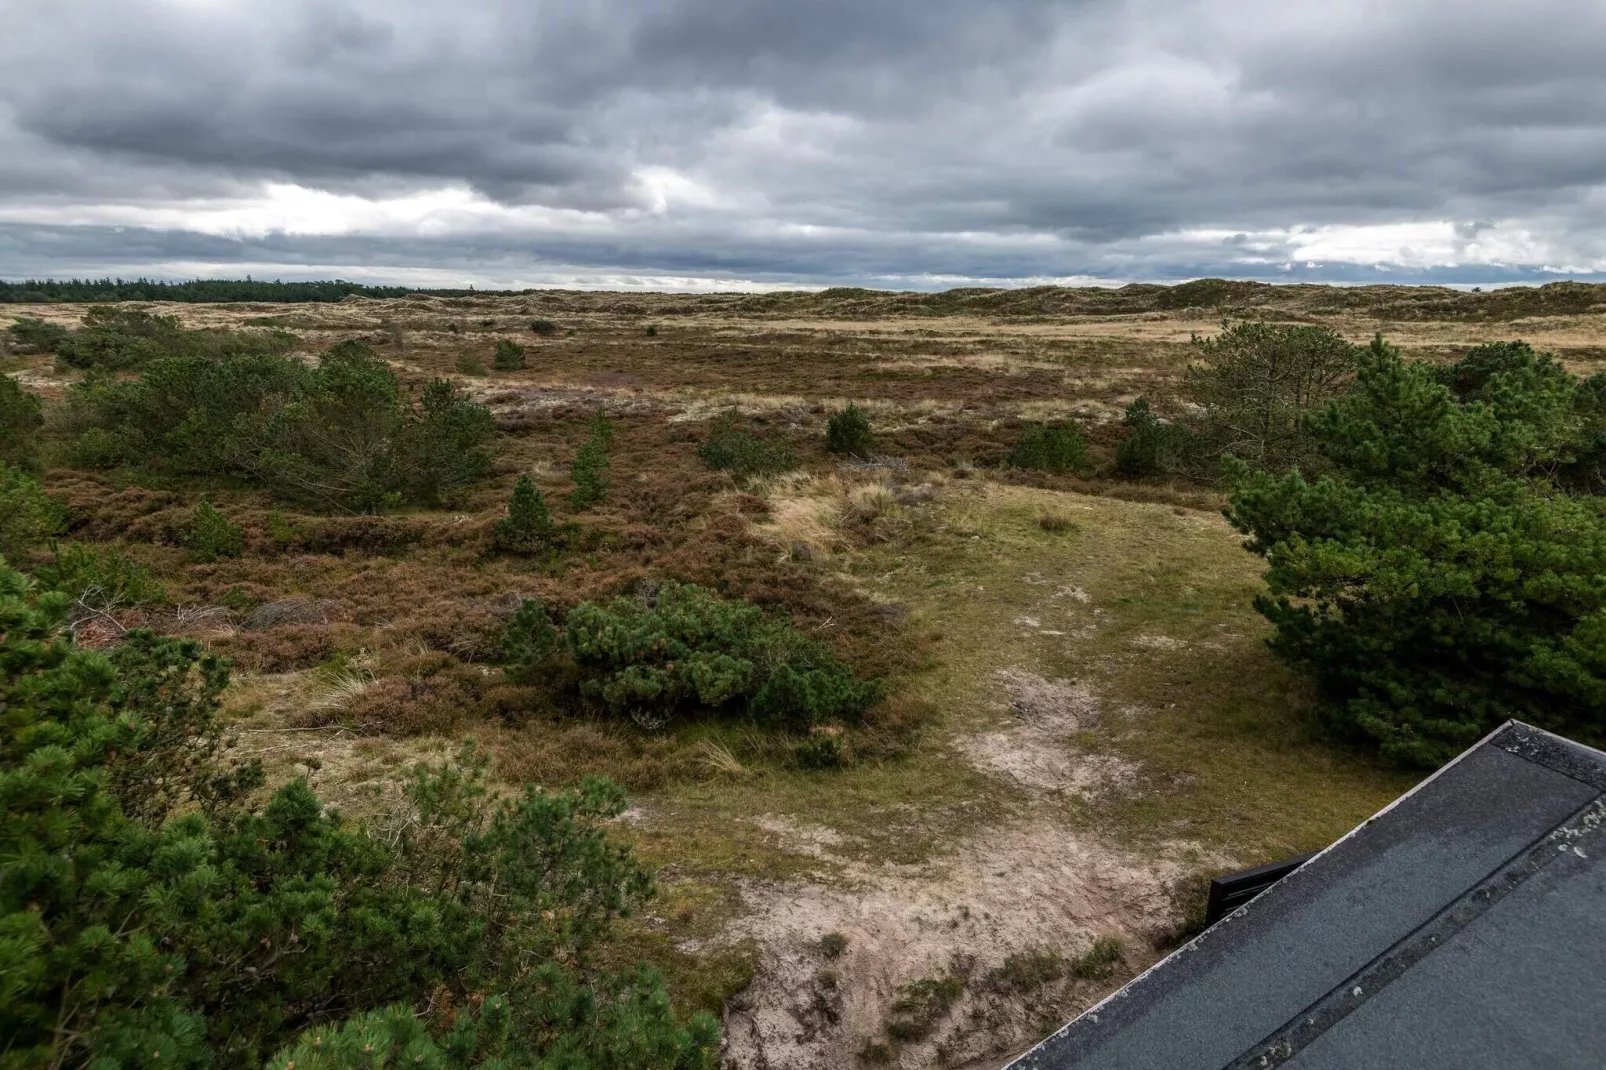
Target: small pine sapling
{"type": "Point", "coordinates": [527, 528]}
{"type": "Point", "coordinates": [509, 356]}
{"type": "Point", "coordinates": [589, 467]}
{"type": "Point", "coordinates": [213, 535]}
{"type": "Point", "coordinates": [848, 432]}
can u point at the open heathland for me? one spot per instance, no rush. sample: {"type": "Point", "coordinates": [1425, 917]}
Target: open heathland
{"type": "Point", "coordinates": [931, 720]}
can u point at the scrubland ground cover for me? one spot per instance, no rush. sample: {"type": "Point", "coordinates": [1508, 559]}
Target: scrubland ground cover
{"type": "Point", "coordinates": [931, 718]}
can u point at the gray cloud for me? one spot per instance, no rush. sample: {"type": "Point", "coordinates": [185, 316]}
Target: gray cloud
{"type": "Point", "coordinates": [818, 141]}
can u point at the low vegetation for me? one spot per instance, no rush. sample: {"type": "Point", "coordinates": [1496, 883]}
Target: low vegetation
{"type": "Point", "coordinates": [341, 435]}
{"type": "Point", "coordinates": [674, 559]}
{"type": "Point", "coordinates": [733, 448]}
{"type": "Point", "coordinates": [155, 918]}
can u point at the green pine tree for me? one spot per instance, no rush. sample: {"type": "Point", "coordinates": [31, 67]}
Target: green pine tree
{"type": "Point", "coordinates": [1437, 580]}
{"type": "Point", "coordinates": [588, 470]}
{"type": "Point", "coordinates": [527, 528]}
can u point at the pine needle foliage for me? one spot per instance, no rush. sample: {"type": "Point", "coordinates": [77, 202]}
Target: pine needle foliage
{"type": "Point", "coordinates": [527, 528]}
{"type": "Point", "coordinates": [509, 356]}
{"type": "Point", "coordinates": [848, 432]}
{"type": "Point", "coordinates": [21, 417]}
{"type": "Point", "coordinates": [1438, 578]}
{"type": "Point", "coordinates": [1055, 448]}
{"type": "Point", "coordinates": [152, 918]}
{"type": "Point", "coordinates": [589, 468]}
{"type": "Point", "coordinates": [732, 448]}
{"type": "Point", "coordinates": [212, 535]}
{"type": "Point", "coordinates": [28, 515]}
{"type": "Point", "coordinates": [685, 650]}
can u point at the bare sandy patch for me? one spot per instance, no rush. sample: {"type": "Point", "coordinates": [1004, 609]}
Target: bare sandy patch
{"type": "Point", "coordinates": [1032, 886]}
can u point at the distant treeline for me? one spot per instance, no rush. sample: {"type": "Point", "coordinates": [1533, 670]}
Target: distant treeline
{"type": "Point", "coordinates": [200, 291]}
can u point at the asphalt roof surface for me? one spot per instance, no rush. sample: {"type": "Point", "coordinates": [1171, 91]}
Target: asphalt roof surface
{"type": "Point", "coordinates": [1462, 927]}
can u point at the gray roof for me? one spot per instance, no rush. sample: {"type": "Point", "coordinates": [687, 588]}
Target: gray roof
{"type": "Point", "coordinates": [1464, 926]}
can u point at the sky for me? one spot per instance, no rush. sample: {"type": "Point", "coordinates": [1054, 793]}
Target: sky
{"type": "Point", "coordinates": [758, 144]}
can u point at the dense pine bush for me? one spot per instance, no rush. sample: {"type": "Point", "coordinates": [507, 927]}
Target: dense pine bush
{"type": "Point", "coordinates": [589, 468]}
{"type": "Point", "coordinates": [35, 335]}
{"type": "Point", "coordinates": [1437, 579]}
{"type": "Point", "coordinates": [734, 449]}
{"type": "Point", "coordinates": [340, 435]}
{"type": "Point", "coordinates": [21, 417]}
{"type": "Point", "coordinates": [1151, 446]}
{"type": "Point", "coordinates": [151, 918]}
{"type": "Point", "coordinates": [1057, 448]}
{"type": "Point", "coordinates": [848, 431]}
{"type": "Point", "coordinates": [509, 356]}
{"type": "Point", "coordinates": [685, 649]}
{"type": "Point", "coordinates": [527, 528]}
{"type": "Point", "coordinates": [1257, 384]}
{"type": "Point", "coordinates": [28, 515]}
{"type": "Point", "coordinates": [213, 535]}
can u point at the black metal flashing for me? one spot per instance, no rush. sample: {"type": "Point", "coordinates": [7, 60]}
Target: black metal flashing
{"type": "Point", "coordinates": [1459, 927]}
{"type": "Point", "coordinates": [1229, 892]}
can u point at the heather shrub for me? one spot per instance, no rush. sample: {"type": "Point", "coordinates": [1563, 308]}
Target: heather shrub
{"type": "Point", "coordinates": [154, 918]}
{"type": "Point", "coordinates": [469, 364]}
{"type": "Point", "coordinates": [212, 535]}
{"type": "Point", "coordinates": [543, 327]}
{"type": "Point", "coordinates": [21, 417]}
{"type": "Point", "coordinates": [509, 356]}
{"type": "Point", "coordinates": [740, 452]}
{"type": "Point", "coordinates": [1057, 448]}
{"type": "Point", "coordinates": [848, 432]}
{"type": "Point", "coordinates": [527, 528]}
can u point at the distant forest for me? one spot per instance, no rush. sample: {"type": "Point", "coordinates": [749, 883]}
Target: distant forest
{"type": "Point", "coordinates": [199, 291]}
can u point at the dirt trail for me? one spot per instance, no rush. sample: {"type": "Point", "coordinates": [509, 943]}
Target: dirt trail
{"type": "Point", "coordinates": [1033, 884]}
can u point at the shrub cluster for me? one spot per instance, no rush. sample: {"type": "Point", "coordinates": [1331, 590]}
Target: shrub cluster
{"type": "Point", "coordinates": [21, 417]}
{"type": "Point", "coordinates": [28, 515]}
{"type": "Point", "coordinates": [113, 338]}
{"type": "Point", "coordinates": [35, 335]}
{"type": "Point", "coordinates": [1258, 382]}
{"type": "Point", "coordinates": [734, 449]}
{"type": "Point", "coordinates": [339, 435]}
{"type": "Point", "coordinates": [1056, 448]}
{"type": "Point", "coordinates": [1151, 446]}
{"type": "Point", "coordinates": [154, 919]}
{"type": "Point", "coordinates": [686, 649]}
{"type": "Point", "coordinates": [509, 356]}
{"type": "Point", "coordinates": [213, 535]}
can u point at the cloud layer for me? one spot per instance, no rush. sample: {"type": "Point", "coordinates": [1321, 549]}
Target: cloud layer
{"type": "Point", "coordinates": [690, 143]}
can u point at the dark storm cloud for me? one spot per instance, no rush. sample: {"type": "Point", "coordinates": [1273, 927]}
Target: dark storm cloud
{"type": "Point", "coordinates": [820, 140]}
